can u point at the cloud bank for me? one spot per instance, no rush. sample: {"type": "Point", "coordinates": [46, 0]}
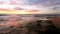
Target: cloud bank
{"type": "Point", "coordinates": [45, 6]}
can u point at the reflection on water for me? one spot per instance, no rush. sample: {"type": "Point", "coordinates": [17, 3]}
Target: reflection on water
{"type": "Point", "coordinates": [26, 24]}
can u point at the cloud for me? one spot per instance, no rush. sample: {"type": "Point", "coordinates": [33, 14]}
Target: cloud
{"type": "Point", "coordinates": [45, 6]}
{"type": "Point", "coordinates": [51, 10]}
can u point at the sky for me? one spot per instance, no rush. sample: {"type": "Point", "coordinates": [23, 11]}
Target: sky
{"type": "Point", "coordinates": [45, 6]}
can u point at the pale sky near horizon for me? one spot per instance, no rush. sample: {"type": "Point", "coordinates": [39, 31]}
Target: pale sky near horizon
{"type": "Point", "coordinates": [35, 5]}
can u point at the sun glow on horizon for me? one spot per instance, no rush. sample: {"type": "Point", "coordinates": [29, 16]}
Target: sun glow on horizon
{"type": "Point", "coordinates": [20, 12]}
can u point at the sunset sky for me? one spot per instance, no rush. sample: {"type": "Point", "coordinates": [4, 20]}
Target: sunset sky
{"type": "Point", "coordinates": [44, 6]}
